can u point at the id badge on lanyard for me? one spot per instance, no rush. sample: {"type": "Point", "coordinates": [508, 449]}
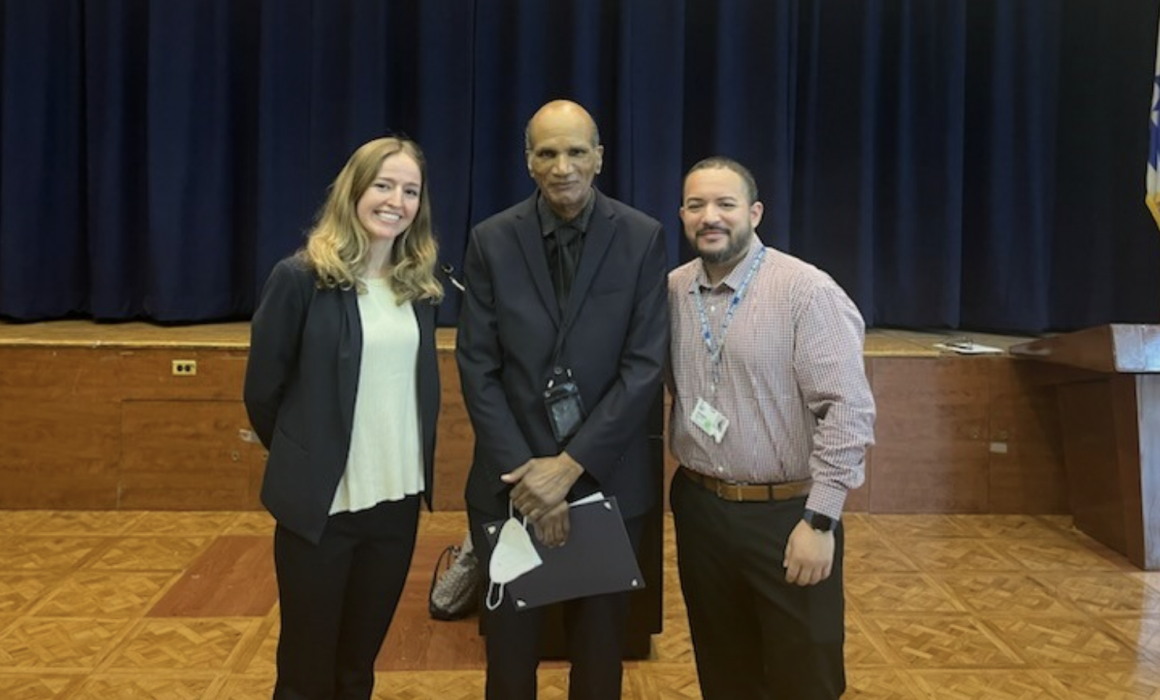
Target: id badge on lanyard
{"type": "Point", "coordinates": [707, 417]}
{"type": "Point", "coordinates": [711, 421]}
{"type": "Point", "coordinates": [565, 408]}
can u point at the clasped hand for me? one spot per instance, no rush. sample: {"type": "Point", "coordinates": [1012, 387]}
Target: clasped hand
{"type": "Point", "coordinates": [541, 484]}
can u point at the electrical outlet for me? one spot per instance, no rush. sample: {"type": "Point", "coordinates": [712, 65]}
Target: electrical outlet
{"type": "Point", "coordinates": [184, 368]}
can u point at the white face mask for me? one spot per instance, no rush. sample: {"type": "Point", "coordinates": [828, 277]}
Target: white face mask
{"type": "Point", "coordinates": [514, 555]}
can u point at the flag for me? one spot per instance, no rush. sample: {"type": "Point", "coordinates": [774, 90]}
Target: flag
{"type": "Point", "coordinates": [1152, 181]}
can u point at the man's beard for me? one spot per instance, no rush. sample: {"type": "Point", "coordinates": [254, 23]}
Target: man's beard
{"type": "Point", "coordinates": [738, 243]}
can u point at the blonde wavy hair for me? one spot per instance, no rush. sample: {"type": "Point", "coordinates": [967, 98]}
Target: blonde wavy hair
{"type": "Point", "coordinates": [338, 245]}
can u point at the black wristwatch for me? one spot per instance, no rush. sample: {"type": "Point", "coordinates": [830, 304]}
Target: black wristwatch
{"type": "Point", "coordinates": [819, 522]}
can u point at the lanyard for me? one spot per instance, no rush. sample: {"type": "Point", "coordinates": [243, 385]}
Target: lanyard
{"type": "Point", "coordinates": [715, 348]}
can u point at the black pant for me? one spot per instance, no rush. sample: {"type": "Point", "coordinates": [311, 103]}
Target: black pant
{"type": "Point", "coordinates": [337, 599]}
{"type": "Point", "coordinates": [594, 629]}
{"type": "Point", "coordinates": [755, 636]}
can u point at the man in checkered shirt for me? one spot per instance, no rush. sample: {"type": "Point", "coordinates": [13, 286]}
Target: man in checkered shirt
{"type": "Point", "coordinates": [771, 418]}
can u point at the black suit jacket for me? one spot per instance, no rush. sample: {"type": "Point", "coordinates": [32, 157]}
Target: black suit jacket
{"type": "Point", "coordinates": [301, 380]}
{"type": "Point", "coordinates": [617, 330]}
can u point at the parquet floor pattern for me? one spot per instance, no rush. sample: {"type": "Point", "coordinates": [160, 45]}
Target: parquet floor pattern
{"type": "Point", "coordinates": [182, 606]}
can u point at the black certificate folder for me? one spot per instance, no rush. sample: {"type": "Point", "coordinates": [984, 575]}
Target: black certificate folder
{"type": "Point", "coordinates": [596, 559]}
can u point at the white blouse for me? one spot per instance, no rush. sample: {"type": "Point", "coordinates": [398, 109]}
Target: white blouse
{"type": "Point", "coordinates": [385, 462]}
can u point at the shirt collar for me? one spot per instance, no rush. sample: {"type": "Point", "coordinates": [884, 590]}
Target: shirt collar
{"type": "Point", "coordinates": [736, 275]}
{"type": "Point", "coordinates": [549, 222]}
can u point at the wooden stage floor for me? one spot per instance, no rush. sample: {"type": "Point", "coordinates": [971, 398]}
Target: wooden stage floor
{"type": "Point", "coordinates": [167, 605]}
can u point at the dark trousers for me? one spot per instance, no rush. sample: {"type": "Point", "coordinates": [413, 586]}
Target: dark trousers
{"type": "Point", "coordinates": [594, 630]}
{"type": "Point", "coordinates": [755, 636]}
{"type": "Point", "coordinates": [337, 599]}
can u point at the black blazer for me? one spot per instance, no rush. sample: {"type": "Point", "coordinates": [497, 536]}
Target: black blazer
{"type": "Point", "coordinates": [617, 330]}
{"type": "Point", "coordinates": [301, 380]}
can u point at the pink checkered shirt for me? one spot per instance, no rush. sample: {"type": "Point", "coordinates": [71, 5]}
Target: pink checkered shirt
{"type": "Point", "coordinates": [793, 383]}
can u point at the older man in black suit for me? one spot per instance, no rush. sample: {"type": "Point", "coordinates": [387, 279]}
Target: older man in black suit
{"type": "Point", "coordinates": [567, 286]}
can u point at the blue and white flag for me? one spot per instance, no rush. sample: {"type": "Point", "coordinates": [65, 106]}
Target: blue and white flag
{"type": "Point", "coordinates": [1152, 181]}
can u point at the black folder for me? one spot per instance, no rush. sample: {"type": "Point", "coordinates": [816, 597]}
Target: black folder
{"type": "Point", "coordinates": [596, 559]}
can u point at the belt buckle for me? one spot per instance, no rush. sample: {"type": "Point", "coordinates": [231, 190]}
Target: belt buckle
{"type": "Point", "coordinates": [728, 491]}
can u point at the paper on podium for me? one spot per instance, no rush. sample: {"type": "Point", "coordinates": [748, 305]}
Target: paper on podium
{"type": "Point", "coordinates": [596, 559]}
{"type": "Point", "coordinates": [968, 347]}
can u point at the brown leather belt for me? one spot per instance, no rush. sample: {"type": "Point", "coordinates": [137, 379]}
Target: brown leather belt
{"type": "Point", "coordinates": [743, 493]}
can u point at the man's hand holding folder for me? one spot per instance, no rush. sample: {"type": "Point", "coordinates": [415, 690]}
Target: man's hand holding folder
{"type": "Point", "coordinates": [552, 529]}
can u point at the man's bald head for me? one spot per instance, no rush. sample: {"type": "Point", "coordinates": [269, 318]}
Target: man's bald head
{"type": "Point", "coordinates": [561, 109]}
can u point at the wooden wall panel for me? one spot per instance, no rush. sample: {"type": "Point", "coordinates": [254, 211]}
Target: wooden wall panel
{"type": "Point", "coordinates": [931, 455]}
{"type": "Point", "coordinates": [186, 455]}
{"type": "Point", "coordinates": [64, 374]}
{"type": "Point", "coordinates": [59, 453]}
{"type": "Point", "coordinates": [1026, 451]}
{"type": "Point", "coordinates": [1089, 437]}
{"type": "Point", "coordinates": [148, 374]}
{"type": "Point", "coordinates": [455, 439]}
{"type": "Point", "coordinates": [64, 442]}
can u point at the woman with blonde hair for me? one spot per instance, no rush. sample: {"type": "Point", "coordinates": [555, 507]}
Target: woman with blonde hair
{"type": "Point", "coordinates": [342, 388]}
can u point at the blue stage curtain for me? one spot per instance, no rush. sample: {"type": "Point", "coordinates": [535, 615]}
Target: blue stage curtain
{"type": "Point", "coordinates": [955, 164]}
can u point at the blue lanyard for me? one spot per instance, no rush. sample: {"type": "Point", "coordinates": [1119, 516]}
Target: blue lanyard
{"type": "Point", "coordinates": [715, 348]}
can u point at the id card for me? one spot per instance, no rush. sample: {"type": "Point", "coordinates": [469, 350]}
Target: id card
{"type": "Point", "coordinates": [565, 410]}
{"type": "Point", "coordinates": [711, 421]}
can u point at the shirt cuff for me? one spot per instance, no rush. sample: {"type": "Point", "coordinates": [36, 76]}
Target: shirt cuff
{"type": "Point", "coordinates": [827, 499]}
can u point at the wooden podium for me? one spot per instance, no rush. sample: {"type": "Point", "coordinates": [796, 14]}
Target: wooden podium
{"type": "Point", "coordinates": [1109, 411]}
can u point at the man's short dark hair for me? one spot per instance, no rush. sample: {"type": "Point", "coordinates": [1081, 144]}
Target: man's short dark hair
{"type": "Point", "coordinates": [721, 162]}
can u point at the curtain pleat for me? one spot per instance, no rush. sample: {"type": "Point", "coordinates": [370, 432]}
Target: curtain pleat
{"type": "Point", "coordinates": [968, 164]}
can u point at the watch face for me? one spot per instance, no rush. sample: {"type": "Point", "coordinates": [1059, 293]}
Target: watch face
{"type": "Point", "coordinates": [819, 522]}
